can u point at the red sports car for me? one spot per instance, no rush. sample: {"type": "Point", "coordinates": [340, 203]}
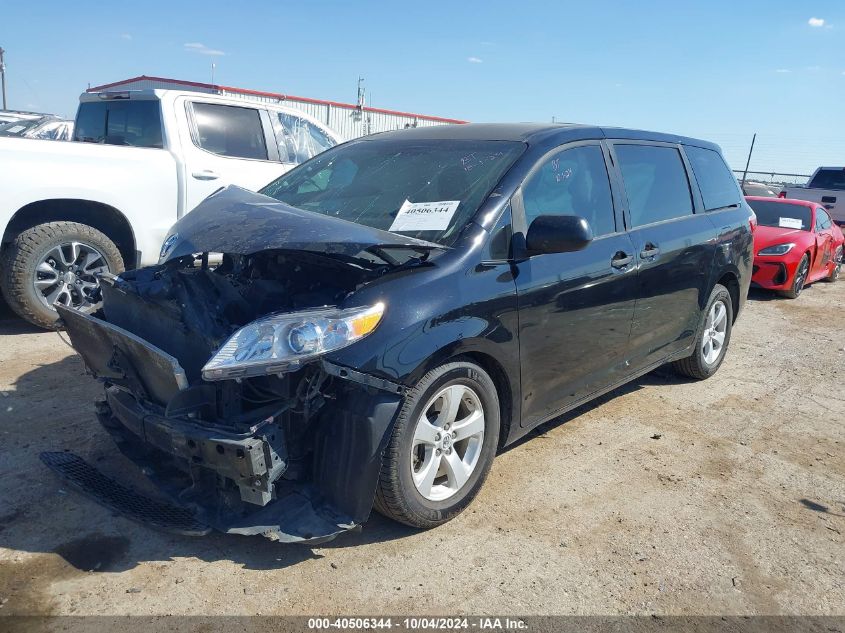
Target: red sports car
{"type": "Point", "coordinates": [795, 243]}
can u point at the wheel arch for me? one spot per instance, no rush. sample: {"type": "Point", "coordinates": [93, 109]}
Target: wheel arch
{"type": "Point", "coordinates": [98, 215]}
{"type": "Point", "coordinates": [730, 280]}
{"type": "Point", "coordinates": [506, 388]}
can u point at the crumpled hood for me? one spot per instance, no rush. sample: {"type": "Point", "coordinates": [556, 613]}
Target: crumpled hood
{"type": "Point", "coordinates": [242, 222]}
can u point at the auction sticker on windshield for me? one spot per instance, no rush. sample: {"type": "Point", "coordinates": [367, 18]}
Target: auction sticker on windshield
{"type": "Point", "coordinates": [790, 223]}
{"type": "Point", "coordinates": [424, 216]}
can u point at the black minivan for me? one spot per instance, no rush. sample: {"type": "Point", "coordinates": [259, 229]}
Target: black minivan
{"type": "Point", "coordinates": [373, 326]}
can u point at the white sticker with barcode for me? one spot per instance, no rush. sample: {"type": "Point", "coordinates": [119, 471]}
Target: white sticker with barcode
{"type": "Point", "coordinates": [424, 216]}
{"type": "Point", "coordinates": [790, 223]}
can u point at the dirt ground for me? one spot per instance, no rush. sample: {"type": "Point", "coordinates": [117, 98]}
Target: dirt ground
{"type": "Point", "coordinates": [664, 497]}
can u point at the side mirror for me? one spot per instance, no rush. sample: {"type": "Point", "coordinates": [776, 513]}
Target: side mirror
{"type": "Point", "coordinates": [558, 234]}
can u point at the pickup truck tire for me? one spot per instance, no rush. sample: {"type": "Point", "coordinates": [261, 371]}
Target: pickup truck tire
{"type": "Point", "coordinates": [68, 251]}
{"type": "Point", "coordinates": [714, 335]}
{"type": "Point", "coordinates": [441, 448]}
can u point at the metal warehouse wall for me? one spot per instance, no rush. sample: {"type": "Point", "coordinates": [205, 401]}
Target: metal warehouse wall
{"type": "Point", "coordinates": [347, 120]}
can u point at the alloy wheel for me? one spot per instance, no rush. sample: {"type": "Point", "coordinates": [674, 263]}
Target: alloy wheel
{"type": "Point", "coordinates": [801, 277]}
{"type": "Point", "coordinates": [447, 442]}
{"type": "Point", "coordinates": [67, 275]}
{"type": "Point", "coordinates": [715, 327]}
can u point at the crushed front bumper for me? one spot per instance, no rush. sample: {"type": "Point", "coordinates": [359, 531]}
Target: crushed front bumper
{"type": "Point", "coordinates": [232, 481]}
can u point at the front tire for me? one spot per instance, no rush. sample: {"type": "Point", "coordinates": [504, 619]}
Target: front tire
{"type": "Point", "coordinates": [799, 280]}
{"type": "Point", "coordinates": [56, 262]}
{"type": "Point", "coordinates": [713, 338]}
{"type": "Point", "coordinates": [441, 447]}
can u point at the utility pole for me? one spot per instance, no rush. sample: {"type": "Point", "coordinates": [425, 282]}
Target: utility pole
{"type": "Point", "coordinates": [3, 75]}
{"type": "Point", "coordinates": [748, 162]}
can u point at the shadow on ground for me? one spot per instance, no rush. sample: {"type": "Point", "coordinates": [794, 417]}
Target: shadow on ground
{"type": "Point", "coordinates": [51, 409]}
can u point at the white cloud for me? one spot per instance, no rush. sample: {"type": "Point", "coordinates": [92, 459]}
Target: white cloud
{"type": "Point", "coordinates": [783, 70]}
{"type": "Point", "coordinates": [202, 49]}
{"type": "Point", "coordinates": [125, 36]}
{"type": "Point", "coordinates": [815, 22]}
{"type": "Point", "coordinates": [474, 60]}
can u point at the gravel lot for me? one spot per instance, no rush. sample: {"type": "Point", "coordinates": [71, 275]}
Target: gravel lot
{"type": "Point", "coordinates": [664, 497]}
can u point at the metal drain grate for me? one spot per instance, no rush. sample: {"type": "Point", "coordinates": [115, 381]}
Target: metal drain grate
{"type": "Point", "coordinates": [94, 484]}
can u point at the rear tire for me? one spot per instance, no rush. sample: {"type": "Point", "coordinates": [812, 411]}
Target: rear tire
{"type": "Point", "coordinates": [427, 440]}
{"type": "Point", "coordinates": [714, 335]}
{"type": "Point", "coordinates": [799, 280]}
{"type": "Point", "coordinates": [71, 254]}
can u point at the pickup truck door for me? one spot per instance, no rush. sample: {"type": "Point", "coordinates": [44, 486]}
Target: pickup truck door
{"type": "Point", "coordinates": [224, 144]}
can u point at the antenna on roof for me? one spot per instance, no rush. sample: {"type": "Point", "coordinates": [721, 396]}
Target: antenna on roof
{"type": "Point", "coordinates": [213, 66]}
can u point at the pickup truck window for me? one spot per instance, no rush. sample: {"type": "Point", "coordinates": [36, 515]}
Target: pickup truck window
{"type": "Point", "coordinates": [230, 131]}
{"type": "Point", "coordinates": [656, 183]}
{"type": "Point", "coordinates": [781, 214]}
{"type": "Point", "coordinates": [716, 182]}
{"type": "Point", "coordinates": [123, 122]}
{"type": "Point", "coordinates": [572, 182]}
{"type": "Point", "coordinates": [828, 179]}
{"type": "Point", "coordinates": [298, 138]}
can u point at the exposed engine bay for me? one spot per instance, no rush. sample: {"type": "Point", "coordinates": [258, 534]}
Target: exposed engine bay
{"type": "Point", "coordinates": [275, 454]}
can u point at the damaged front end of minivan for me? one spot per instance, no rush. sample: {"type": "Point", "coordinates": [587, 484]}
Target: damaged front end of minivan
{"type": "Point", "coordinates": [217, 381]}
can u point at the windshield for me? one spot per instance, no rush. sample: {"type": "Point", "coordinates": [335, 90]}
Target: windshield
{"type": "Point", "coordinates": [781, 214]}
{"type": "Point", "coordinates": [18, 128]}
{"type": "Point", "coordinates": [829, 179]}
{"type": "Point", "coordinates": [423, 189]}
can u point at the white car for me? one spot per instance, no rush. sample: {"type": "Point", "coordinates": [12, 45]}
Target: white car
{"type": "Point", "coordinates": [70, 211]}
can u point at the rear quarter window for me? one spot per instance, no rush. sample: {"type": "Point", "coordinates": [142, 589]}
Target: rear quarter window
{"type": "Point", "coordinates": [120, 122]}
{"type": "Point", "coordinates": [718, 186]}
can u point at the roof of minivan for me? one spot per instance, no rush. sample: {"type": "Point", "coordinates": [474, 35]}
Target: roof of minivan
{"type": "Point", "coordinates": [534, 132]}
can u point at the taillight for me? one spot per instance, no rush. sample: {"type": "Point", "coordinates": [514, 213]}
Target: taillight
{"type": "Point", "coordinates": [782, 194]}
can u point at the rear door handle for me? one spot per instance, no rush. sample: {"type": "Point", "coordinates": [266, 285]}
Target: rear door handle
{"type": "Point", "coordinates": [206, 174]}
{"type": "Point", "coordinates": [650, 251]}
{"type": "Point", "coordinates": [621, 260]}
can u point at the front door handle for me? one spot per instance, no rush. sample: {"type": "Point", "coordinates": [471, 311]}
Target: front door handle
{"type": "Point", "coordinates": [206, 174]}
{"type": "Point", "coordinates": [650, 251]}
{"type": "Point", "coordinates": [621, 260]}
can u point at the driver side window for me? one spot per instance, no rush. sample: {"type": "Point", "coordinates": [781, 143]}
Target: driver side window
{"type": "Point", "coordinates": [572, 182]}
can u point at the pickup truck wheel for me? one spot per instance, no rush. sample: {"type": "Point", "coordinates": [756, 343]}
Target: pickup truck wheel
{"type": "Point", "coordinates": [714, 335]}
{"type": "Point", "coordinates": [441, 448]}
{"type": "Point", "coordinates": [56, 262]}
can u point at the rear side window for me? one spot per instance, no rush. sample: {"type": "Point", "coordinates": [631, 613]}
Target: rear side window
{"type": "Point", "coordinates": [822, 219]}
{"type": "Point", "coordinates": [230, 131]}
{"type": "Point", "coordinates": [572, 182]}
{"type": "Point", "coordinates": [718, 186]}
{"type": "Point", "coordinates": [120, 122]}
{"type": "Point", "coordinates": [655, 181]}
{"type": "Point", "coordinates": [829, 179]}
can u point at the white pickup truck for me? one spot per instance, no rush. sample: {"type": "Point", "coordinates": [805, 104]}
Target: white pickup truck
{"type": "Point", "coordinates": [825, 187]}
{"type": "Point", "coordinates": [142, 159]}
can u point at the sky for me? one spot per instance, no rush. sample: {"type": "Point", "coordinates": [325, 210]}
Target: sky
{"type": "Point", "coordinates": [716, 69]}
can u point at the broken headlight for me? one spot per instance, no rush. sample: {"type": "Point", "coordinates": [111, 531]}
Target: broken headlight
{"type": "Point", "coordinates": [279, 342]}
